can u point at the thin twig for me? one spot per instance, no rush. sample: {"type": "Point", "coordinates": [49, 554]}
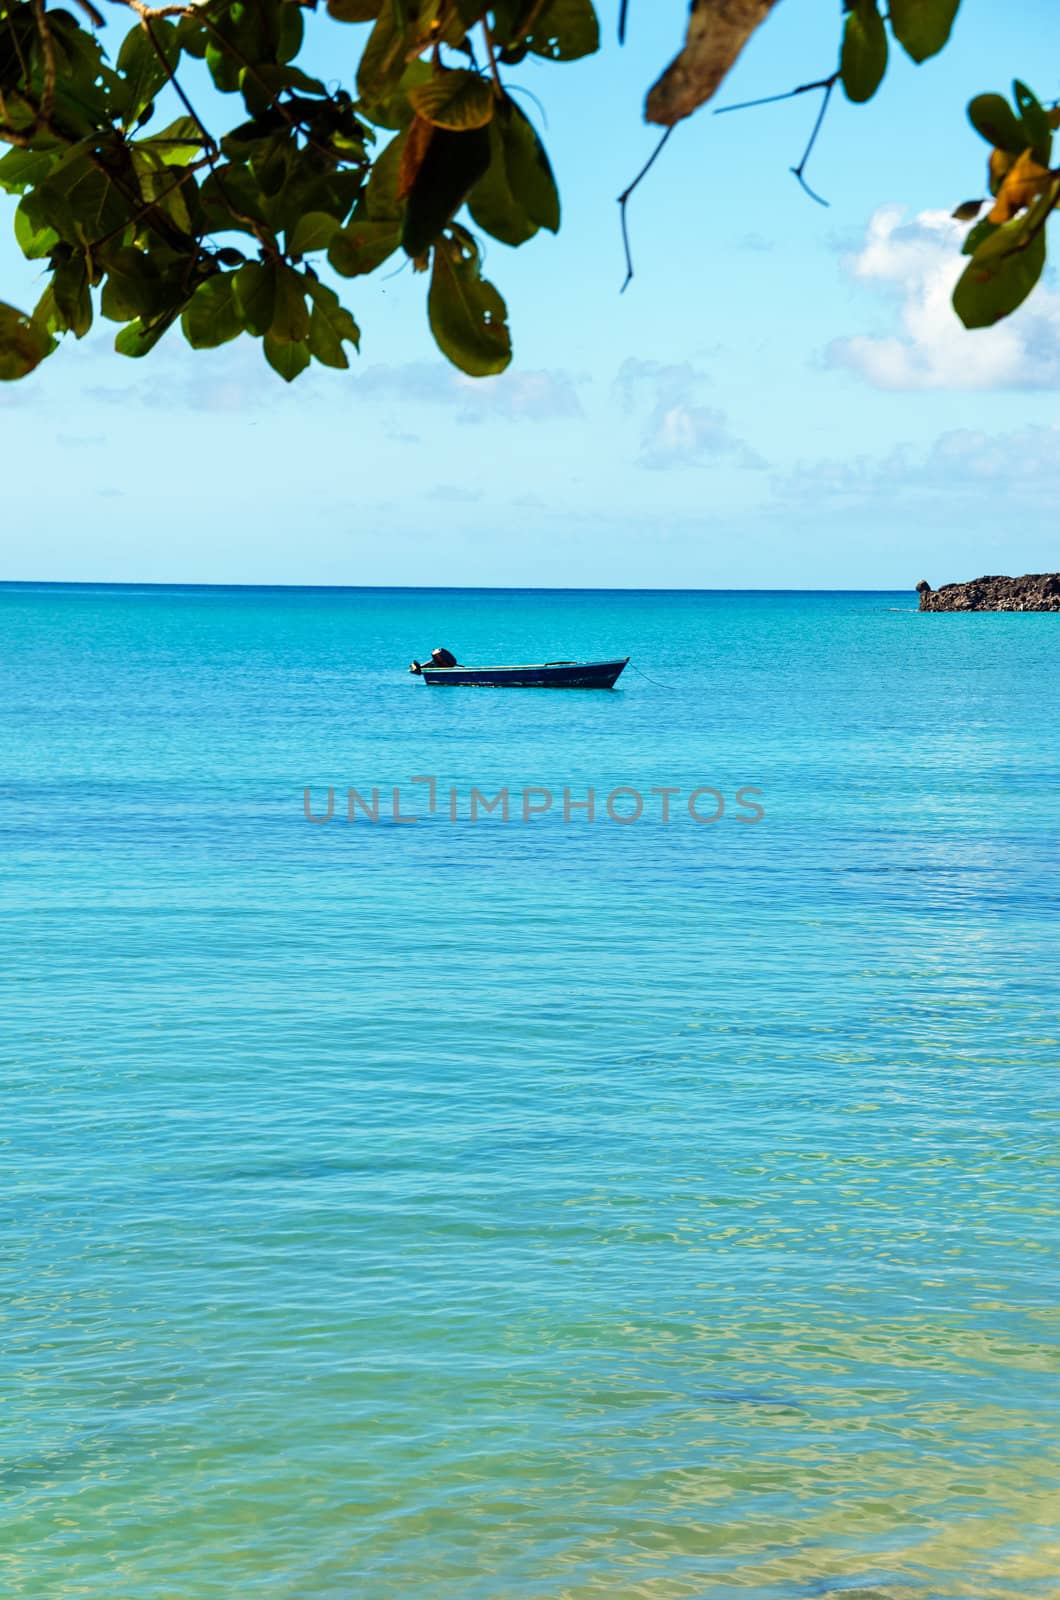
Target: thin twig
{"type": "Point", "coordinates": [623, 13]}
{"type": "Point", "coordinates": [771, 99]}
{"type": "Point", "coordinates": [208, 140]}
{"type": "Point", "coordinates": [16, 46]}
{"type": "Point", "coordinates": [210, 145]}
{"type": "Point", "coordinates": [150, 205]}
{"type": "Point", "coordinates": [96, 18]}
{"type": "Point", "coordinates": [623, 202]}
{"type": "Point", "coordinates": [492, 59]}
{"type": "Point", "coordinates": [47, 98]}
{"type": "Point", "coordinates": [41, 121]}
{"type": "Point", "coordinates": [155, 13]}
{"type": "Point", "coordinates": [292, 121]}
{"type": "Point", "coordinates": [526, 27]}
{"type": "Point", "coordinates": [519, 88]}
{"type": "Point", "coordinates": [801, 168]}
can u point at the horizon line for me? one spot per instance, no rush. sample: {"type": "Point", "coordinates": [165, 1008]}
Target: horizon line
{"type": "Point", "coordinates": [415, 588]}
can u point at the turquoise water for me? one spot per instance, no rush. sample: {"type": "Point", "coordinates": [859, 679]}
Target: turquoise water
{"type": "Point", "coordinates": [527, 1211]}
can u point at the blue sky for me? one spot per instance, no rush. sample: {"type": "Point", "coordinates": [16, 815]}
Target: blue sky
{"type": "Point", "coordinates": [781, 398]}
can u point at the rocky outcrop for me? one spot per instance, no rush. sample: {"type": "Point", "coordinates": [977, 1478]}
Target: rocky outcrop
{"type": "Point", "coordinates": [1037, 591]}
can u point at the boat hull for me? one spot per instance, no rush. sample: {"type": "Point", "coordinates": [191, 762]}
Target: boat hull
{"type": "Point", "coordinates": [549, 675]}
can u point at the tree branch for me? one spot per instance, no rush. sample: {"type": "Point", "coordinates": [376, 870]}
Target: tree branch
{"type": "Point", "coordinates": [47, 43]}
{"type": "Point", "coordinates": [801, 168]}
{"type": "Point", "coordinates": [623, 202]}
{"type": "Point", "coordinates": [154, 13]}
{"type": "Point", "coordinates": [492, 58]}
{"type": "Point", "coordinates": [772, 99]}
{"type": "Point", "coordinates": [96, 18]}
{"type": "Point", "coordinates": [42, 112]}
{"type": "Point", "coordinates": [209, 142]}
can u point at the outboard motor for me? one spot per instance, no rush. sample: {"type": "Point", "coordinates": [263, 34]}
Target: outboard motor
{"type": "Point", "coordinates": [439, 658]}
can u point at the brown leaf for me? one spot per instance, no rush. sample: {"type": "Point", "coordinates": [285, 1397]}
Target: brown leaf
{"type": "Point", "coordinates": [717, 32]}
{"type": "Point", "coordinates": [1021, 186]}
{"type": "Point", "coordinates": [1000, 161]}
{"type": "Point", "coordinates": [420, 134]}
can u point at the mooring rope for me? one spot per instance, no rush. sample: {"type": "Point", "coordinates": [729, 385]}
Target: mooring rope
{"type": "Point", "coordinates": [654, 682]}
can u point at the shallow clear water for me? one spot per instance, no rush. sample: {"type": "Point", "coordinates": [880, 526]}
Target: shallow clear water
{"type": "Point", "coordinates": [527, 1211]}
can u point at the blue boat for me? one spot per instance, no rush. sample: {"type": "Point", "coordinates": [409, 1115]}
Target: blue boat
{"type": "Point", "coordinates": [546, 675]}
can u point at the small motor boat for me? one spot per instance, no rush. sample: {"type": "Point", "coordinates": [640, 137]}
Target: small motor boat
{"type": "Point", "coordinates": [443, 667]}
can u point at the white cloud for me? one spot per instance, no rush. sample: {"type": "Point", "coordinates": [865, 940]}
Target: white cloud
{"type": "Point", "coordinates": [919, 262]}
{"type": "Point", "coordinates": [541, 396]}
{"type": "Point", "coordinates": [960, 466]}
{"type": "Point", "coordinates": [683, 435]}
{"type": "Point", "coordinates": [677, 430]}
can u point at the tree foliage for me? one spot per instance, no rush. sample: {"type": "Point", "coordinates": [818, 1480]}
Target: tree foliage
{"type": "Point", "coordinates": [149, 219]}
{"type": "Point", "coordinates": [1006, 247]}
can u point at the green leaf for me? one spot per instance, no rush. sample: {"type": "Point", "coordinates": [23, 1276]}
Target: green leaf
{"type": "Point", "coordinates": [285, 358]}
{"type": "Point", "coordinates": [260, 85]}
{"type": "Point", "coordinates": [225, 70]}
{"type": "Point", "coordinates": [992, 117]}
{"type": "Point", "coordinates": [518, 193]}
{"type": "Point", "coordinates": [565, 30]}
{"type": "Point", "coordinates": [193, 36]}
{"type": "Point", "coordinates": [290, 319]}
{"type": "Point", "coordinates": [381, 203]}
{"type": "Point", "coordinates": [330, 326]}
{"type": "Point", "coordinates": [1035, 121]}
{"type": "Point", "coordinates": [46, 313]}
{"type": "Point", "coordinates": [175, 144]}
{"type": "Point", "coordinates": [212, 316]}
{"type": "Point", "coordinates": [73, 300]}
{"type": "Point", "coordinates": [254, 288]}
{"type": "Point", "coordinates": [992, 288]}
{"type": "Point", "coordinates": [468, 318]}
{"type": "Point", "coordinates": [133, 286]}
{"type": "Point", "coordinates": [355, 10]}
{"type": "Point", "coordinates": [362, 246]}
{"type": "Point", "coordinates": [24, 343]}
{"type": "Point", "coordinates": [81, 202]}
{"type": "Point", "coordinates": [136, 340]}
{"type": "Point", "coordinates": [21, 169]}
{"type": "Point", "coordinates": [492, 203]}
{"type": "Point", "coordinates": [312, 231]}
{"type": "Point", "coordinates": [33, 242]}
{"type": "Point", "coordinates": [449, 171]}
{"type": "Point", "coordinates": [382, 60]}
{"type": "Point", "coordinates": [141, 71]}
{"type": "Point", "coordinates": [290, 31]}
{"type": "Point", "coordinates": [1017, 233]}
{"type": "Point", "coordinates": [453, 99]}
{"type": "Point", "coordinates": [232, 200]}
{"type": "Point", "coordinates": [530, 171]}
{"type": "Point", "coordinates": [863, 58]}
{"type": "Point", "coordinates": [394, 110]}
{"type": "Point", "coordinates": [270, 164]}
{"type": "Point", "coordinates": [922, 26]}
{"type": "Point", "coordinates": [977, 235]}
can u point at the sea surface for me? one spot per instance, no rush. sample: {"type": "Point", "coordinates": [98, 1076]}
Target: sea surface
{"type": "Point", "coordinates": [527, 1210]}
